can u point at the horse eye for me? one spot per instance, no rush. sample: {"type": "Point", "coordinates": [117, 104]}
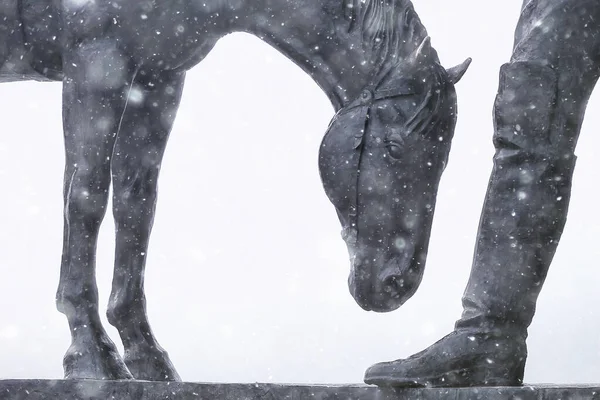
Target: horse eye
{"type": "Point", "coordinates": [394, 150]}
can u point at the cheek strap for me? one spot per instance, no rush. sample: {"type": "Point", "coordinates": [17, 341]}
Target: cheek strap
{"type": "Point", "coordinates": [350, 233]}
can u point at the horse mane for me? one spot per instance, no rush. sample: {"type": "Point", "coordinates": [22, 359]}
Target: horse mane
{"type": "Point", "coordinates": [388, 27]}
{"type": "Point", "coordinates": [391, 31]}
{"type": "Point", "coordinates": [427, 117]}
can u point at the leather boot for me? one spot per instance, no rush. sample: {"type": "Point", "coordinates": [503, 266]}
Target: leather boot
{"type": "Point", "coordinates": [520, 227]}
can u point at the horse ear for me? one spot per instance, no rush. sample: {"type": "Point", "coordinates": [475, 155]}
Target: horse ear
{"type": "Point", "coordinates": [455, 73]}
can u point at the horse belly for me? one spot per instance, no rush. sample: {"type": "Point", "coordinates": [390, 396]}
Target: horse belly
{"type": "Point", "coordinates": [171, 35]}
{"type": "Point", "coordinates": [178, 54]}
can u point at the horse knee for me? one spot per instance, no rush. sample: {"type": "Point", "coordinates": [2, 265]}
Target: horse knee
{"type": "Point", "coordinates": [86, 196]}
{"type": "Point", "coordinates": [134, 199]}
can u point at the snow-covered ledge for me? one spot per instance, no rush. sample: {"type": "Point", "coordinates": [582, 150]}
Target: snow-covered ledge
{"type": "Point", "coordinates": [136, 390]}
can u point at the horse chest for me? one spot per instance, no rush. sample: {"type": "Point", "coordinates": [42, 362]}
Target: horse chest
{"type": "Point", "coordinates": [174, 52]}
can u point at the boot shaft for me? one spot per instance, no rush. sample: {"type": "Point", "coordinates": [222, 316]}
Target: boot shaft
{"type": "Point", "coordinates": [523, 218]}
{"type": "Point", "coordinates": [526, 203]}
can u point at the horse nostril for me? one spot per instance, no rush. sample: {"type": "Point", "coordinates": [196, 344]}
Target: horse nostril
{"type": "Point", "coordinates": [392, 285]}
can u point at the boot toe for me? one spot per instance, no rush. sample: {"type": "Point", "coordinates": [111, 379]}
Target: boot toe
{"type": "Point", "coordinates": [393, 373]}
{"type": "Point", "coordinates": [461, 359]}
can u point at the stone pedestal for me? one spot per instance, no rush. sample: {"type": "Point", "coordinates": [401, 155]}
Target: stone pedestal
{"type": "Point", "coordinates": [136, 390]}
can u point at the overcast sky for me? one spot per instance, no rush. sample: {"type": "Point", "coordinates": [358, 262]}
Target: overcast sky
{"type": "Point", "coordinates": [247, 272]}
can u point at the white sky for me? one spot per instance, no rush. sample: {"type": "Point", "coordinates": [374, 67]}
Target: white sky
{"type": "Point", "coordinates": [247, 272]}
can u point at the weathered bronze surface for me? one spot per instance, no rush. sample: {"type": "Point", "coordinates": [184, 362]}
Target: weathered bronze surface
{"type": "Point", "coordinates": [135, 390]}
{"type": "Point", "coordinates": [122, 64]}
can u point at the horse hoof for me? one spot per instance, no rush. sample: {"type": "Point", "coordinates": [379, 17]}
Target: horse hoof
{"type": "Point", "coordinates": [150, 363]}
{"type": "Point", "coordinates": [99, 361]}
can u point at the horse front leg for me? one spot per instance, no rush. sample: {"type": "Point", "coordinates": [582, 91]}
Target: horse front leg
{"type": "Point", "coordinates": [95, 89]}
{"type": "Point", "coordinates": [135, 169]}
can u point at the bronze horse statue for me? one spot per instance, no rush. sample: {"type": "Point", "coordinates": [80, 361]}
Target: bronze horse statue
{"type": "Point", "coordinates": [122, 65]}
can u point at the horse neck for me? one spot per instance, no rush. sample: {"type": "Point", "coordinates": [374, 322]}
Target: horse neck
{"type": "Point", "coordinates": [342, 44]}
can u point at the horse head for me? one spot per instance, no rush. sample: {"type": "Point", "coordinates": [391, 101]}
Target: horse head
{"type": "Point", "coordinates": [381, 163]}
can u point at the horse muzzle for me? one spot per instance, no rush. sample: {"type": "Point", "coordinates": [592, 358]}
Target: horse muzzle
{"type": "Point", "coordinates": [384, 286]}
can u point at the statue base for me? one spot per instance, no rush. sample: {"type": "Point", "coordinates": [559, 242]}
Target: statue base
{"type": "Point", "coordinates": [37, 389]}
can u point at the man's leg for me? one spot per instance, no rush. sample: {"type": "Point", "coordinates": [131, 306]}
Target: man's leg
{"type": "Point", "coordinates": [538, 112]}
